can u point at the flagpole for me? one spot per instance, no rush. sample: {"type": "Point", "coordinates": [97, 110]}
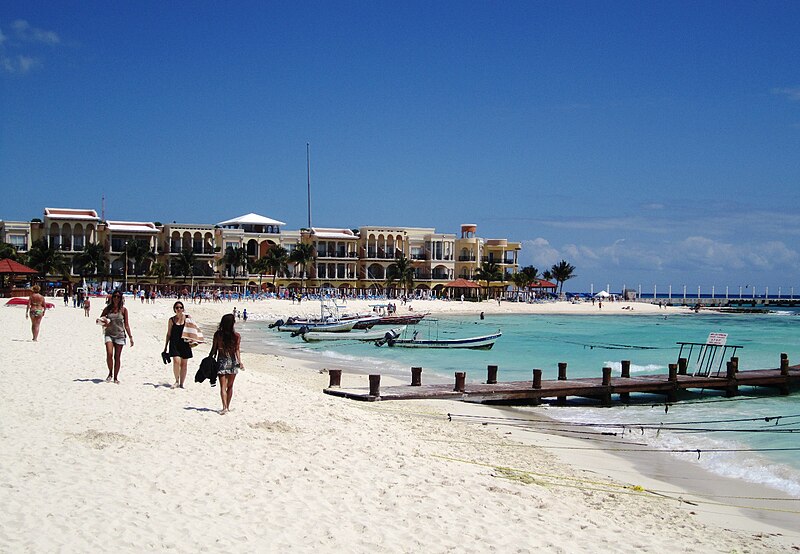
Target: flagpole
{"type": "Point", "coordinates": [308, 175]}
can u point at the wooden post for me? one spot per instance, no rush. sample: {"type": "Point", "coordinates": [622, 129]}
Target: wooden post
{"type": "Point", "coordinates": [461, 378]}
{"type": "Point", "coordinates": [491, 377]}
{"type": "Point", "coordinates": [673, 372]}
{"type": "Point", "coordinates": [735, 362]}
{"type": "Point", "coordinates": [605, 400]}
{"type": "Point", "coordinates": [784, 387]}
{"type": "Point", "coordinates": [416, 376]}
{"type": "Point", "coordinates": [374, 385]}
{"type": "Point", "coordinates": [335, 378]}
{"type": "Point", "coordinates": [731, 388]}
{"type": "Point", "coordinates": [562, 376]}
{"type": "Point", "coordinates": [683, 364]}
{"type": "Point", "coordinates": [537, 378]}
{"type": "Point", "coordinates": [626, 372]}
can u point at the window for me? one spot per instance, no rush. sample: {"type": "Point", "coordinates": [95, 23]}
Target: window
{"type": "Point", "coordinates": [20, 242]}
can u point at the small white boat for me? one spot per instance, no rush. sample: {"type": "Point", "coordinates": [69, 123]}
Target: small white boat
{"type": "Point", "coordinates": [320, 326]}
{"type": "Point", "coordinates": [368, 335]}
{"type": "Point", "coordinates": [484, 342]}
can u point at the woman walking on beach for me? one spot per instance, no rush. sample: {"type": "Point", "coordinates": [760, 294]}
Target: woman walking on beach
{"type": "Point", "coordinates": [115, 322]}
{"type": "Point", "coordinates": [178, 348]}
{"type": "Point", "coordinates": [35, 310]}
{"type": "Point", "coordinates": [226, 350]}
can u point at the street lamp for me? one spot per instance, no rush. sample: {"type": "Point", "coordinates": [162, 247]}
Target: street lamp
{"type": "Point", "coordinates": [125, 279]}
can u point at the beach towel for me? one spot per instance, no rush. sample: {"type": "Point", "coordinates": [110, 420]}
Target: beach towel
{"type": "Point", "coordinates": [191, 333]}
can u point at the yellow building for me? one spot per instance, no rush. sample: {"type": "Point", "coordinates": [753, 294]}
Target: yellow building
{"type": "Point", "coordinates": [347, 261]}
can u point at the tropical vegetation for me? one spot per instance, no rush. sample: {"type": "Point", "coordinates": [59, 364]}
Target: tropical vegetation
{"type": "Point", "coordinates": [302, 255]}
{"type": "Point", "coordinates": [401, 272]}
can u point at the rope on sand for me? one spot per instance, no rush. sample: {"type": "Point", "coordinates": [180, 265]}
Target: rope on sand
{"type": "Point", "coordinates": [617, 488]}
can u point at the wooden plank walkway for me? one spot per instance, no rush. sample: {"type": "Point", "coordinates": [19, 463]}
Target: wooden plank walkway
{"type": "Point", "coordinates": [602, 389]}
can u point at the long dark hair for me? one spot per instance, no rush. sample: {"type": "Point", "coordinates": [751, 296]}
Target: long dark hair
{"type": "Point", "coordinates": [226, 334]}
{"type": "Point", "coordinates": [110, 306]}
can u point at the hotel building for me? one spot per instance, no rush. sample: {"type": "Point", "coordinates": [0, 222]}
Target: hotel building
{"type": "Point", "coordinates": [347, 260]}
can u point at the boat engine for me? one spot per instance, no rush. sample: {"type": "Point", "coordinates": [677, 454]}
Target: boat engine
{"type": "Point", "coordinates": [301, 331]}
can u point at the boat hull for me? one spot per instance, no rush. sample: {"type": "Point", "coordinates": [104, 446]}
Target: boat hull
{"type": "Point", "coordinates": [485, 342]}
{"type": "Point", "coordinates": [332, 327]}
{"type": "Point", "coordinates": [355, 334]}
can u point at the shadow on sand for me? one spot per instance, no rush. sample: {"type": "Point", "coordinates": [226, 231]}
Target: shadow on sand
{"type": "Point", "coordinates": [95, 381]}
{"type": "Point", "coordinates": [195, 408]}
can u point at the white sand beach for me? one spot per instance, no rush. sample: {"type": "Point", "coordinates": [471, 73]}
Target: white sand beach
{"type": "Point", "coordinates": [96, 466]}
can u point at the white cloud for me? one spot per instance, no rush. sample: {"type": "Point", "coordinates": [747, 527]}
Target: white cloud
{"type": "Point", "coordinates": [15, 47]}
{"type": "Point", "coordinates": [792, 93]}
{"type": "Point", "coordinates": [25, 32]}
{"type": "Point", "coordinates": [26, 63]}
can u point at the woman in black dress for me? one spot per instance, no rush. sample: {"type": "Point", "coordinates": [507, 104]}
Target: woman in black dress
{"type": "Point", "coordinates": [176, 347]}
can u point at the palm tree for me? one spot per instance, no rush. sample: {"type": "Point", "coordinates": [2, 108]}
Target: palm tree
{"type": "Point", "coordinates": [561, 272]}
{"type": "Point", "coordinates": [159, 271]}
{"type": "Point", "coordinates": [92, 260]}
{"type": "Point", "coordinates": [7, 251]}
{"type": "Point", "coordinates": [489, 271]}
{"type": "Point", "coordinates": [260, 267]}
{"type": "Point", "coordinates": [47, 260]}
{"type": "Point", "coordinates": [277, 260]}
{"type": "Point", "coordinates": [140, 253]}
{"type": "Point", "coordinates": [521, 281]}
{"type": "Point", "coordinates": [402, 272]}
{"type": "Point", "coordinates": [302, 255]}
{"type": "Point", "coordinates": [235, 257]}
{"type": "Point", "coordinates": [184, 263]}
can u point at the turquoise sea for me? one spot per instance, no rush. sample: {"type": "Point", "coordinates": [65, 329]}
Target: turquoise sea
{"type": "Point", "coordinates": [759, 450]}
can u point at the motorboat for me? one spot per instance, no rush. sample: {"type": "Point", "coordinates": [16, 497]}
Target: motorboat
{"type": "Point", "coordinates": [483, 342]}
{"type": "Point", "coordinates": [364, 335]}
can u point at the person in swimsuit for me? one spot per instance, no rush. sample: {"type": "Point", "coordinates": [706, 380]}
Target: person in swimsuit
{"type": "Point", "coordinates": [226, 350]}
{"type": "Point", "coordinates": [35, 310]}
{"type": "Point", "coordinates": [178, 348]}
{"type": "Point", "coordinates": [115, 322]}
{"type": "Point", "coordinates": [86, 305]}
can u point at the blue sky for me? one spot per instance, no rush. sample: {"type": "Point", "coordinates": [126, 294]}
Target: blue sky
{"type": "Point", "coordinates": [650, 143]}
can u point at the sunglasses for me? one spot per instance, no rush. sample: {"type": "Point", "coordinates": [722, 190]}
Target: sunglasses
{"type": "Point", "coordinates": [178, 307]}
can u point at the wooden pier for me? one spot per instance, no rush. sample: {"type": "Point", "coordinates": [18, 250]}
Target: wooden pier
{"type": "Point", "coordinates": [781, 380]}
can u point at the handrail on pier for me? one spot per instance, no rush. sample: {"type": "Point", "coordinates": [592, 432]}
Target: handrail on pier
{"type": "Point", "coordinates": [707, 355]}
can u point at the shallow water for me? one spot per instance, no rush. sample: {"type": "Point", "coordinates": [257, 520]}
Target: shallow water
{"type": "Point", "coordinates": [588, 343]}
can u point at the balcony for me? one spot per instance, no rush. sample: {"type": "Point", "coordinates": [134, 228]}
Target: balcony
{"type": "Point", "coordinates": [470, 258]}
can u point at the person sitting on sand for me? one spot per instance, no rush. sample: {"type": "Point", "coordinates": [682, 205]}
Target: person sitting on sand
{"type": "Point", "coordinates": [115, 323]}
{"type": "Point", "coordinates": [225, 349]}
{"type": "Point", "coordinates": [35, 310]}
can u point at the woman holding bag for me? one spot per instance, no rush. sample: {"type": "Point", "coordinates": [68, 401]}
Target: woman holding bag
{"type": "Point", "coordinates": [225, 349]}
{"type": "Point", "coordinates": [176, 347]}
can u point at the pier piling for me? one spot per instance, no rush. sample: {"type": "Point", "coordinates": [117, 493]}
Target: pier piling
{"type": "Point", "coordinates": [461, 379]}
{"type": "Point", "coordinates": [416, 376]}
{"type": "Point", "coordinates": [335, 377]}
{"type": "Point", "coordinates": [562, 376]}
{"type": "Point", "coordinates": [491, 377]}
{"type": "Point", "coordinates": [375, 385]}
{"type": "Point", "coordinates": [537, 379]}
